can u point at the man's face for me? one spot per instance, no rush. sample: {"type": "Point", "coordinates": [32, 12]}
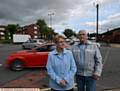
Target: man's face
{"type": "Point", "coordinates": [82, 36]}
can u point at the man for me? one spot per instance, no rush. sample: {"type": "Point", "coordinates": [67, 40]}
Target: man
{"type": "Point", "coordinates": [89, 63]}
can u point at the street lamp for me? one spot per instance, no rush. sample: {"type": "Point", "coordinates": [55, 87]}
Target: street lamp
{"type": "Point", "coordinates": [50, 14]}
{"type": "Point", "coordinates": [97, 21]}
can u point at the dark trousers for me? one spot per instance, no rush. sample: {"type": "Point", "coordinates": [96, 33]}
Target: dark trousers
{"type": "Point", "coordinates": [62, 90]}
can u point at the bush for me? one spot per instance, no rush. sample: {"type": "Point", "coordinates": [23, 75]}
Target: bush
{"type": "Point", "coordinates": [6, 41]}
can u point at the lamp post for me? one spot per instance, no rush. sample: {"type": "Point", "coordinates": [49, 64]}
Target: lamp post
{"type": "Point", "coordinates": [50, 14]}
{"type": "Point", "coordinates": [97, 21]}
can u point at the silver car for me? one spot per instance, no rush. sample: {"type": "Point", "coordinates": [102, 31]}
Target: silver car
{"type": "Point", "coordinates": [32, 43]}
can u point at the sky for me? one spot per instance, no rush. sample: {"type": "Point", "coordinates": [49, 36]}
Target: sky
{"type": "Point", "coordinates": [74, 14]}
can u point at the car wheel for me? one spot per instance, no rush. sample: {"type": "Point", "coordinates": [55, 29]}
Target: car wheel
{"type": "Point", "coordinates": [17, 65]}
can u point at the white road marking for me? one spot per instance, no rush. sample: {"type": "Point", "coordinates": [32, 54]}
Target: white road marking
{"type": "Point", "coordinates": [1, 65]}
{"type": "Point", "coordinates": [106, 56]}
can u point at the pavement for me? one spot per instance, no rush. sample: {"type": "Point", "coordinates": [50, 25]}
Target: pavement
{"type": "Point", "coordinates": [110, 45]}
{"type": "Point", "coordinates": [113, 90]}
{"type": "Point", "coordinates": [37, 89]}
{"type": "Point", "coordinates": [115, 45]}
{"type": "Point", "coordinates": [34, 80]}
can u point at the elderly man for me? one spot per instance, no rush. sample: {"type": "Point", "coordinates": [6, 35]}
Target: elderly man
{"type": "Point", "coordinates": [89, 63]}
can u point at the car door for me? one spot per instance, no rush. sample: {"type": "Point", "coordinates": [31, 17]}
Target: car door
{"type": "Point", "coordinates": [41, 56]}
{"type": "Point", "coordinates": [30, 58]}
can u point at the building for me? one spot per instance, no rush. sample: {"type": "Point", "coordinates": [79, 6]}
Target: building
{"type": "Point", "coordinates": [2, 32]}
{"type": "Point", "coordinates": [32, 30]}
{"type": "Point", "coordinates": [112, 36]}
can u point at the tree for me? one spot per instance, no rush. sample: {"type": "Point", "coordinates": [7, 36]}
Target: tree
{"type": "Point", "coordinates": [44, 29]}
{"type": "Point", "coordinates": [6, 33]}
{"type": "Point", "coordinates": [42, 25]}
{"type": "Point", "coordinates": [51, 33]}
{"type": "Point", "coordinates": [68, 33]}
{"type": "Point", "coordinates": [11, 28]}
{"type": "Point", "coordinates": [41, 22]}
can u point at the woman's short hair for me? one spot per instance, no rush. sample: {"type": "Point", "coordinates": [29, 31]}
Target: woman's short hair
{"type": "Point", "coordinates": [56, 39]}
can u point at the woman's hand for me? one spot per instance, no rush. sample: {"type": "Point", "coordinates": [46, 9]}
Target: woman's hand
{"type": "Point", "coordinates": [63, 83]}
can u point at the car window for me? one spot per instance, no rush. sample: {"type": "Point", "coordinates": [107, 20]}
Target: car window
{"type": "Point", "coordinates": [45, 48]}
{"type": "Point", "coordinates": [42, 49]}
{"type": "Point", "coordinates": [51, 48]}
{"type": "Point", "coordinates": [34, 41]}
{"type": "Point", "coordinates": [41, 41]}
{"type": "Point", "coordinates": [28, 41]}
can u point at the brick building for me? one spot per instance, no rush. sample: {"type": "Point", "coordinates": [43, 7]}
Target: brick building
{"type": "Point", "coordinates": [2, 32]}
{"type": "Point", "coordinates": [32, 30]}
{"type": "Point", "coordinates": [112, 36]}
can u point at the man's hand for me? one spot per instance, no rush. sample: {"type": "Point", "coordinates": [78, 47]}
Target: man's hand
{"type": "Point", "coordinates": [63, 83]}
{"type": "Point", "coordinates": [96, 77]}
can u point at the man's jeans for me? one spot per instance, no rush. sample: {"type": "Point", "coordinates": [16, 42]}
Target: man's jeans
{"type": "Point", "coordinates": [85, 83]}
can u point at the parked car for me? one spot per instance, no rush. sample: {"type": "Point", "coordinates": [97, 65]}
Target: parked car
{"type": "Point", "coordinates": [32, 43]}
{"type": "Point", "coordinates": [69, 41]}
{"type": "Point", "coordinates": [98, 44]}
{"type": "Point", "coordinates": [37, 57]}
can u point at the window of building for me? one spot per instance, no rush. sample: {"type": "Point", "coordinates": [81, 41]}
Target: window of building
{"type": "Point", "coordinates": [2, 28]}
{"type": "Point", "coordinates": [35, 36]}
{"type": "Point", "coordinates": [35, 32]}
{"type": "Point", "coordinates": [9, 37]}
{"type": "Point", "coordinates": [8, 33]}
{"type": "Point", "coordinates": [2, 37]}
{"type": "Point", "coordinates": [35, 27]}
{"type": "Point", "coordinates": [2, 33]}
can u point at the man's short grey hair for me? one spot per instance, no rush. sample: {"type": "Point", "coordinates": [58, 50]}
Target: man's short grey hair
{"type": "Point", "coordinates": [82, 31]}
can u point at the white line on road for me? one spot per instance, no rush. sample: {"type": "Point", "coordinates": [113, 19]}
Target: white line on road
{"type": "Point", "coordinates": [106, 56]}
{"type": "Point", "coordinates": [1, 65]}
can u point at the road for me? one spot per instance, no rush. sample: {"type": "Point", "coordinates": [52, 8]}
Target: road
{"type": "Point", "coordinates": [111, 71]}
{"type": "Point", "coordinates": [109, 80]}
{"type": "Point", "coordinates": [5, 74]}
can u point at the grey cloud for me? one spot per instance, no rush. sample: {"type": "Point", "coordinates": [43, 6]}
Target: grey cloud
{"type": "Point", "coordinates": [28, 11]}
{"type": "Point", "coordinates": [18, 10]}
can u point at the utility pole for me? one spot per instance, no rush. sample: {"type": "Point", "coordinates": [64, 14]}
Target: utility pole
{"type": "Point", "coordinates": [97, 21]}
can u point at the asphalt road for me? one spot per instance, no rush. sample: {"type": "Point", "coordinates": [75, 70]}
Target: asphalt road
{"type": "Point", "coordinates": [109, 80]}
{"type": "Point", "coordinates": [5, 74]}
{"type": "Point", "coordinates": [111, 71]}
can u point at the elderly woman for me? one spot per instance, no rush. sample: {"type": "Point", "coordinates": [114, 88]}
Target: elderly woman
{"type": "Point", "coordinates": [61, 67]}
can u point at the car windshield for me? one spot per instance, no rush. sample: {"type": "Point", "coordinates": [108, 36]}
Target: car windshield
{"type": "Point", "coordinates": [45, 48]}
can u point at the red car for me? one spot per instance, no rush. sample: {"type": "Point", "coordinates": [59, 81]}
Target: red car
{"type": "Point", "coordinates": [36, 57]}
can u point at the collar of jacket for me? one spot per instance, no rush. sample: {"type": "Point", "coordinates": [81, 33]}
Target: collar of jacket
{"type": "Point", "coordinates": [56, 53]}
{"type": "Point", "coordinates": [87, 43]}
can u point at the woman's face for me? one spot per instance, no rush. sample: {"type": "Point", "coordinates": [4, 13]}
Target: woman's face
{"type": "Point", "coordinates": [60, 43]}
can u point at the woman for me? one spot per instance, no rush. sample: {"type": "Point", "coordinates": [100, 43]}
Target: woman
{"type": "Point", "coordinates": [61, 67]}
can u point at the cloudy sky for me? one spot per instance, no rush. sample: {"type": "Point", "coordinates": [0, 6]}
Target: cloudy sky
{"type": "Point", "coordinates": [74, 14]}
